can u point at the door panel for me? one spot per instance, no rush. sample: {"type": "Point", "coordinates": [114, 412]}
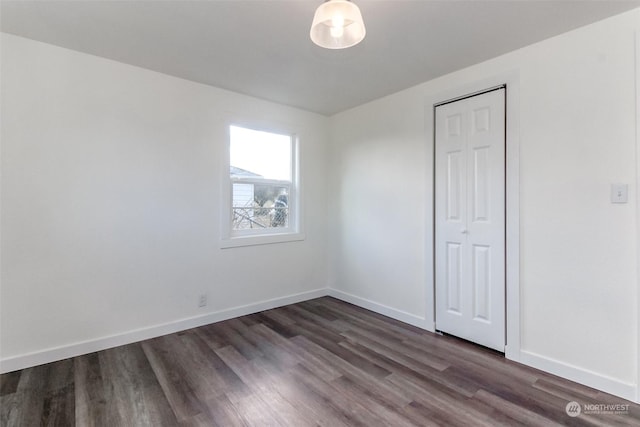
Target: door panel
{"type": "Point", "coordinates": [481, 181]}
{"type": "Point", "coordinates": [454, 274]}
{"type": "Point", "coordinates": [470, 219]}
{"type": "Point", "coordinates": [482, 282]}
{"type": "Point", "coordinates": [454, 182]}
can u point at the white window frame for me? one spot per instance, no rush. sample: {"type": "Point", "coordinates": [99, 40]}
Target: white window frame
{"type": "Point", "coordinates": [293, 231]}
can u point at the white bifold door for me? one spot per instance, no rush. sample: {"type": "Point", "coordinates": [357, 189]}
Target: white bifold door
{"type": "Point", "coordinates": [470, 218]}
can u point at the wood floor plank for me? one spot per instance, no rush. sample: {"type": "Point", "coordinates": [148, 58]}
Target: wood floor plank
{"type": "Point", "coordinates": [386, 413]}
{"type": "Point", "coordinates": [460, 386]}
{"type": "Point", "coordinates": [265, 344]}
{"type": "Point", "coordinates": [25, 406]}
{"type": "Point", "coordinates": [330, 329]}
{"type": "Point", "coordinates": [208, 364]}
{"type": "Point", "coordinates": [342, 354]}
{"type": "Point", "coordinates": [539, 402]}
{"type": "Point", "coordinates": [276, 323]}
{"type": "Point", "coordinates": [362, 376]}
{"type": "Point", "coordinates": [238, 340]}
{"type": "Point", "coordinates": [9, 383]}
{"type": "Point", "coordinates": [59, 403]}
{"type": "Point", "coordinates": [200, 367]}
{"type": "Point", "coordinates": [472, 361]}
{"type": "Point", "coordinates": [59, 407]}
{"type": "Point", "coordinates": [180, 397]}
{"type": "Point", "coordinates": [378, 328]}
{"type": "Point", "coordinates": [443, 404]}
{"type": "Point", "coordinates": [222, 413]}
{"type": "Point", "coordinates": [318, 310]}
{"type": "Point", "coordinates": [10, 407]}
{"type": "Point", "coordinates": [516, 412]}
{"type": "Point", "coordinates": [265, 403]}
{"type": "Point", "coordinates": [279, 315]}
{"type": "Point", "coordinates": [256, 412]}
{"type": "Point", "coordinates": [89, 391]}
{"type": "Point", "coordinates": [321, 362]}
{"type": "Point", "coordinates": [213, 337]}
{"type": "Point", "coordinates": [132, 390]}
{"type": "Point", "coordinates": [341, 358]}
{"type": "Point", "coordinates": [307, 359]}
{"type": "Point", "coordinates": [407, 357]}
{"type": "Point", "coordinates": [356, 313]}
{"type": "Point", "coordinates": [353, 411]}
{"type": "Point", "coordinates": [423, 416]}
{"type": "Point", "coordinates": [285, 383]}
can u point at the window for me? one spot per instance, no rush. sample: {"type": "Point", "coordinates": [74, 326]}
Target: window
{"type": "Point", "coordinates": [262, 188]}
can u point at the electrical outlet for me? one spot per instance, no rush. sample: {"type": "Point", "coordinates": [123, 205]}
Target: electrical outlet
{"type": "Point", "coordinates": [202, 301]}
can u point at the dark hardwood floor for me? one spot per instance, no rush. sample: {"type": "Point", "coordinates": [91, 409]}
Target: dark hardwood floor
{"type": "Point", "coordinates": [321, 362]}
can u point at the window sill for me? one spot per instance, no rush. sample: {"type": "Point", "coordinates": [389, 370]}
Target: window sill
{"type": "Point", "coordinates": [267, 239]}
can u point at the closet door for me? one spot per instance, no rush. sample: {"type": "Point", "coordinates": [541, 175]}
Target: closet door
{"type": "Point", "coordinates": [470, 218]}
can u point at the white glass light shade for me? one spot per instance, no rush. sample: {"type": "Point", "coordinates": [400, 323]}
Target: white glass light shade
{"type": "Point", "coordinates": [337, 24]}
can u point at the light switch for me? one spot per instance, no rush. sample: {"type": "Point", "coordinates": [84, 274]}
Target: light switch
{"type": "Point", "coordinates": [619, 193]}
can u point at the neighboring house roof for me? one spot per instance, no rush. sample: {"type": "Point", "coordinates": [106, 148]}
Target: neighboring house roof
{"type": "Point", "coordinates": [242, 172]}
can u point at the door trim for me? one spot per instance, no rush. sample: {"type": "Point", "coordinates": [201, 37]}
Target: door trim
{"type": "Point", "coordinates": [637, 65]}
{"type": "Point", "coordinates": [470, 95]}
{"type": "Point", "coordinates": [512, 245]}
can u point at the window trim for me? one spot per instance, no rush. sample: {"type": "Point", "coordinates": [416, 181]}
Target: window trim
{"type": "Point", "coordinates": [293, 232]}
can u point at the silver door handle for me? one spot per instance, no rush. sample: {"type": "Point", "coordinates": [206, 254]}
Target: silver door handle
{"type": "Point", "coordinates": [464, 231]}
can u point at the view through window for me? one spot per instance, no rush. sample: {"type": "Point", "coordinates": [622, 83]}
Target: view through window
{"type": "Point", "coordinates": [261, 172]}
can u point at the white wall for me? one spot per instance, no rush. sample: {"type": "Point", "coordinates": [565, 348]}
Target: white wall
{"type": "Point", "coordinates": [111, 205]}
{"type": "Point", "coordinates": [578, 276]}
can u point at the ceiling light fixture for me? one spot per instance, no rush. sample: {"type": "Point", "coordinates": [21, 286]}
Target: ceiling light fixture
{"type": "Point", "coordinates": [337, 24]}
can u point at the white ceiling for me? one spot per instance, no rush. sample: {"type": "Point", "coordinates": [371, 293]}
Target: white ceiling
{"type": "Point", "coordinates": [262, 47]}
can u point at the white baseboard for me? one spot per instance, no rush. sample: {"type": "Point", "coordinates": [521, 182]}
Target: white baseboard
{"type": "Point", "coordinates": [400, 315]}
{"type": "Point", "coordinates": [76, 349]}
{"type": "Point", "coordinates": [583, 376]}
